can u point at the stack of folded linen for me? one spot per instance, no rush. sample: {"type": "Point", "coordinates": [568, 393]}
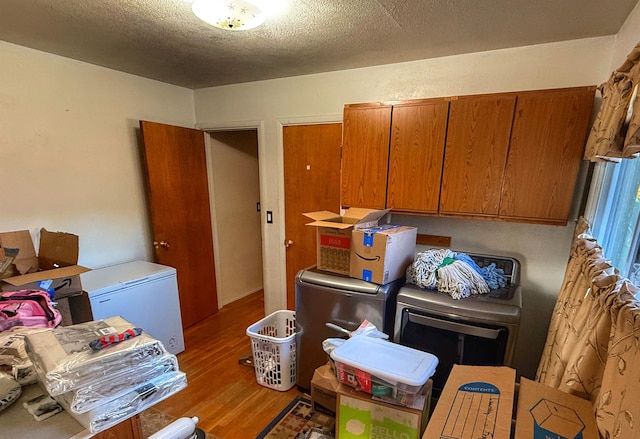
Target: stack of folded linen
{"type": "Point", "coordinates": [101, 388]}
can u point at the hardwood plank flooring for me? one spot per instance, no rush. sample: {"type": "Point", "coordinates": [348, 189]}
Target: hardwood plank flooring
{"type": "Point", "coordinates": [222, 393]}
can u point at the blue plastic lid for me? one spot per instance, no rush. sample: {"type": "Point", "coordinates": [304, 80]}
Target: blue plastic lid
{"type": "Point", "coordinates": [389, 361]}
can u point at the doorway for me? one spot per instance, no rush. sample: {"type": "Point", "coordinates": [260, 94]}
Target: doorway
{"type": "Point", "coordinates": [234, 181]}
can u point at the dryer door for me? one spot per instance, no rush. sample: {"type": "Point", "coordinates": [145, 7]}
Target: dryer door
{"type": "Point", "coordinates": [453, 342]}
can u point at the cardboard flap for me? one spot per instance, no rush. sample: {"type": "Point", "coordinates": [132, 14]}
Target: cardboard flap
{"type": "Point", "coordinates": [358, 215]}
{"type": "Point", "coordinates": [57, 249]}
{"type": "Point", "coordinates": [26, 261]}
{"type": "Point", "coordinates": [330, 224]}
{"type": "Point", "coordinates": [323, 215]}
{"type": "Point", "coordinates": [44, 275]}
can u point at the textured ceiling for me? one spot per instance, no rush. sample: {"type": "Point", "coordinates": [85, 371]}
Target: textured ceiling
{"type": "Point", "coordinates": [161, 39]}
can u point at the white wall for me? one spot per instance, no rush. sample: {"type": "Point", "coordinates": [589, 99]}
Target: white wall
{"type": "Point", "coordinates": [627, 38]}
{"type": "Point", "coordinates": [542, 250]}
{"type": "Point", "coordinates": [236, 192]}
{"type": "Point", "coordinates": [69, 150]}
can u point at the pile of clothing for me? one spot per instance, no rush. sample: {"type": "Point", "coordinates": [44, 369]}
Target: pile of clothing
{"type": "Point", "coordinates": [454, 273]}
{"type": "Point", "coordinates": [103, 372]}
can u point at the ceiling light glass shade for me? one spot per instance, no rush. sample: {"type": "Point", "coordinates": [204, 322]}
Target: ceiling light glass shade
{"type": "Point", "coordinates": [229, 14]}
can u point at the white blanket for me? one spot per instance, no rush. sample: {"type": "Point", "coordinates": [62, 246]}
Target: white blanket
{"type": "Point", "coordinates": [87, 398]}
{"type": "Point", "coordinates": [131, 403]}
{"type": "Point", "coordinates": [65, 362]}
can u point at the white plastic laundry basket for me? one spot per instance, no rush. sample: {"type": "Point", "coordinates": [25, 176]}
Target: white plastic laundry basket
{"type": "Point", "coordinates": [273, 343]}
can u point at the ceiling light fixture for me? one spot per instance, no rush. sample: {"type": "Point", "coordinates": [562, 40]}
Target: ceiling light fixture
{"type": "Point", "coordinates": [230, 14]}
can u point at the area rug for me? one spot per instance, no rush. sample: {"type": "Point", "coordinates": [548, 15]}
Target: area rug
{"type": "Point", "coordinates": [152, 420]}
{"type": "Point", "coordinates": [296, 420]}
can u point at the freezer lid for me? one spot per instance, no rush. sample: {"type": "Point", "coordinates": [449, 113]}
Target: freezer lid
{"type": "Point", "coordinates": [116, 277]}
{"type": "Point", "coordinates": [324, 279]}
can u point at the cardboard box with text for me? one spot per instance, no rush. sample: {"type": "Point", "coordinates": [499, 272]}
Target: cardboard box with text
{"type": "Point", "coordinates": [334, 235]}
{"type": "Point", "coordinates": [361, 416]}
{"type": "Point", "coordinates": [476, 402]}
{"type": "Point", "coordinates": [382, 254]}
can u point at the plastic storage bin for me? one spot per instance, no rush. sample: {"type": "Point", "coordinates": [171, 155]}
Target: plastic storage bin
{"type": "Point", "coordinates": [273, 343]}
{"type": "Point", "coordinates": [384, 369]}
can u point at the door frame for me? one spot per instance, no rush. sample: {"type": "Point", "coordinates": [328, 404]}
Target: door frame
{"type": "Point", "coordinates": [274, 270]}
{"type": "Point", "coordinates": [207, 129]}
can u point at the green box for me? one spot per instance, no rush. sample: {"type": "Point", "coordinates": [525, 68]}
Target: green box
{"type": "Point", "coordinates": [360, 416]}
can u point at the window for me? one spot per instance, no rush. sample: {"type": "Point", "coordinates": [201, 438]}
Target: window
{"type": "Point", "coordinates": [616, 216]}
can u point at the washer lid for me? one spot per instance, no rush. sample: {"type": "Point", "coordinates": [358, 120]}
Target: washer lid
{"type": "Point", "coordinates": [389, 361]}
{"type": "Point", "coordinates": [481, 306]}
{"type": "Point", "coordinates": [339, 282]}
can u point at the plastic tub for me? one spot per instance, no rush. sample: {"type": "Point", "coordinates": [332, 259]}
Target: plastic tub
{"type": "Point", "coordinates": [383, 368]}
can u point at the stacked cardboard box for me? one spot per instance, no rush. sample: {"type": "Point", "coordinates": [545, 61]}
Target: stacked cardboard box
{"type": "Point", "coordinates": [355, 245]}
{"type": "Point", "coordinates": [360, 415]}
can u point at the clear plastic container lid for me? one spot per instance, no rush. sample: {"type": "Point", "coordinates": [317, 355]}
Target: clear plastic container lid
{"type": "Point", "coordinates": [389, 361]}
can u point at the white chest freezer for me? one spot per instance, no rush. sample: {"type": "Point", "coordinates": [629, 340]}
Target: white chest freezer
{"type": "Point", "coordinates": [144, 293]}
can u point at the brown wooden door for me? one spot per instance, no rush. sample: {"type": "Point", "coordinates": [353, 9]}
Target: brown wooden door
{"type": "Point", "coordinates": [415, 156]}
{"type": "Point", "coordinates": [311, 183]}
{"type": "Point", "coordinates": [476, 153]}
{"type": "Point", "coordinates": [365, 155]}
{"type": "Point", "coordinates": [178, 193]}
{"type": "Point", "coordinates": [547, 143]}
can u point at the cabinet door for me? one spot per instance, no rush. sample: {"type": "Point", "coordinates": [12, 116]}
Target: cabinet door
{"type": "Point", "coordinates": [545, 152]}
{"type": "Point", "coordinates": [365, 155]}
{"type": "Point", "coordinates": [475, 154]}
{"type": "Point", "coordinates": [415, 156]}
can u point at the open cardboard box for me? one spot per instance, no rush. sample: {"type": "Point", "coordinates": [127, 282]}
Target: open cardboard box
{"type": "Point", "coordinates": [324, 386]}
{"type": "Point", "coordinates": [334, 235]}
{"type": "Point", "coordinates": [55, 268]}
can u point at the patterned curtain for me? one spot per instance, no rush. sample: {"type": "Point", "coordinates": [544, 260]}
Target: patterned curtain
{"type": "Point", "coordinates": [615, 133]}
{"type": "Point", "coordinates": [593, 342]}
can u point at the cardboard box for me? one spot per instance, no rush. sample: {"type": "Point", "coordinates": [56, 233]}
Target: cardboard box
{"type": "Point", "coordinates": [361, 416]}
{"type": "Point", "coordinates": [547, 413]}
{"type": "Point", "coordinates": [382, 254]}
{"type": "Point", "coordinates": [483, 394]}
{"type": "Point", "coordinates": [334, 235]}
{"type": "Point", "coordinates": [324, 386]}
{"type": "Point", "coordinates": [54, 268]}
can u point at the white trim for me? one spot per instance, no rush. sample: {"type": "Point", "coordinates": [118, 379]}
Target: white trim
{"type": "Point", "coordinates": [258, 125]}
{"type": "Point", "coordinates": [212, 212]}
{"type": "Point", "coordinates": [231, 126]}
{"type": "Point", "coordinates": [595, 190]}
{"type": "Point", "coordinates": [309, 120]}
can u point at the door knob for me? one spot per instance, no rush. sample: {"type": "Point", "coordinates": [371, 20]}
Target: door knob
{"type": "Point", "coordinates": [163, 244]}
{"type": "Point", "coordinates": [288, 243]}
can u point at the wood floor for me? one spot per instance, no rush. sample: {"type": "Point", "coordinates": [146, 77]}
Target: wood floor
{"type": "Point", "coordinates": [223, 394]}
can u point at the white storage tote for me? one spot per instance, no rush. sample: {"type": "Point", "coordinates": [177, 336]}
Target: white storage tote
{"type": "Point", "coordinates": [273, 343]}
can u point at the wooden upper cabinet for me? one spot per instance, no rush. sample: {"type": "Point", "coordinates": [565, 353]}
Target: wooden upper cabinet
{"type": "Point", "coordinates": [547, 143]}
{"type": "Point", "coordinates": [511, 156]}
{"type": "Point", "coordinates": [476, 153]}
{"type": "Point", "coordinates": [365, 155]}
{"type": "Point", "coordinates": [415, 157]}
